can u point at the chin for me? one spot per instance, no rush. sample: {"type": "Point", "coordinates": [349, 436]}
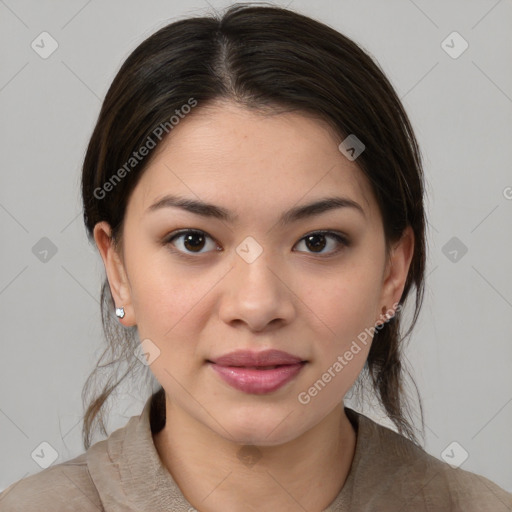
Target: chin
{"type": "Point", "coordinates": [260, 439]}
{"type": "Point", "coordinates": [260, 428]}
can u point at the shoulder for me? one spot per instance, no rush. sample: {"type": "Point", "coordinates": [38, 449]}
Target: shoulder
{"type": "Point", "coordinates": [437, 486]}
{"type": "Point", "coordinates": [90, 482]}
{"type": "Point", "coordinates": [63, 487]}
{"type": "Point", "coordinates": [400, 472]}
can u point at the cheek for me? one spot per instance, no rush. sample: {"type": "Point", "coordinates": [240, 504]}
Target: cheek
{"type": "Point", "coordinates": [346, 307]}
{"type": "Point", "coordinates": [169, 313]}
{"type": "Point", "coordinates": [347, 301]}
{"type": "Point", "coordinates": [164, 299]}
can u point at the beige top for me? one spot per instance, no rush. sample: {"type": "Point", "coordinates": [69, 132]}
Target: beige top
{"type": "Point", "coordinates": [389, 473]}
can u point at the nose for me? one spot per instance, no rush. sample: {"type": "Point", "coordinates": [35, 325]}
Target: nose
{"type": "Point", "coordinates": [257, 294]}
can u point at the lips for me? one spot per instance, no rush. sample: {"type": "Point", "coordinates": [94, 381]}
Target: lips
{"type": "Point", "coordinates": [248, 359]}
{"type": "Point", "coordinates": [257, 372]}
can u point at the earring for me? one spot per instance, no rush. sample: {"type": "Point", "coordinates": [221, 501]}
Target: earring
{"type": "Point", "coordinates": [120, 312]}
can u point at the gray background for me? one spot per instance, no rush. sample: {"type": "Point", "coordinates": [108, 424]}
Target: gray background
{"type": "Point", "coordinates": [461, 109]}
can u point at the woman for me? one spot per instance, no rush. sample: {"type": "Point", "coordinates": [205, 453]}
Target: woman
{"type": "Point", "coordinates": [255, 190]}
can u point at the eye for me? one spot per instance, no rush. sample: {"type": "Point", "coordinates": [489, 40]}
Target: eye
{"type": "Point", "coordinates": [190, 241]}
{"type": "Point", "coordinates": [317, 241]}
{"type": "Point", "coordinates": [193, 241]}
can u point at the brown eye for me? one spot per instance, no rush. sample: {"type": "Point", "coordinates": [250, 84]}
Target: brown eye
{"type": "Point", "coordinates": [318, 241]}
{"type": "Point", "coordinates": [193, 241]}
{"type": "Point", "coordinates": [315, 243]}
{"type": "Point", "coordinates": [190, 241]}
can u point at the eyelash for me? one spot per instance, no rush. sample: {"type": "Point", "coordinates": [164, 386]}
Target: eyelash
{"type": "Point", "coordinates": [341, 239]}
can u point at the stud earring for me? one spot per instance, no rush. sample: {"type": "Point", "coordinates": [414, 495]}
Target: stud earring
{"type": "Point", "coordinates": [120, 312]}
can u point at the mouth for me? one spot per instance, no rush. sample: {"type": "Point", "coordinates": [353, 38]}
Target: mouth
{"type": "Point", "coordinates": [257, 368]}
{"type": "Point", "coordinates": [260, 367]}
{"type": "Point", "coordinates": [266, 359]}
{"type": "Point", "coordinates": [256, 379]}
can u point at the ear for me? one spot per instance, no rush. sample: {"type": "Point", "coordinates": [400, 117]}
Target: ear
{"type": "Point", "coordinates": [116, 274]}
{"type": "Point", "coordinates": [395, 275]}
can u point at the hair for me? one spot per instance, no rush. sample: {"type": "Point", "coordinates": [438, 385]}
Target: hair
{"type": "Point", "coordinates": [268, 59]}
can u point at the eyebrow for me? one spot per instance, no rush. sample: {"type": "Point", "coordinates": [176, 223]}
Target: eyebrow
{"type": "Point", "coordinates": [218, 212]}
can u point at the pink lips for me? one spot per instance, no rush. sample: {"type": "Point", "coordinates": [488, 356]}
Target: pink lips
{"type": "Point", "coordinates": [249, 371]}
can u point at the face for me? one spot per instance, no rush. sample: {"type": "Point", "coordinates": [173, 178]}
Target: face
{"type": "Point", "coordinates": [201, 284]}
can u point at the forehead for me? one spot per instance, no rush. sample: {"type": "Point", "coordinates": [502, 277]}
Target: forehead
{"type": "Point", "coordinates": [251, 162]}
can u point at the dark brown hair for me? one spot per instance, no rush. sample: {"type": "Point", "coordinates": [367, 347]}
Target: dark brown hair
{"type": "Point", "coordinates": [264, 58]}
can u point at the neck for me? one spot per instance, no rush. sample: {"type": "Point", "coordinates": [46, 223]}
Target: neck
{"type": "Point", "coordinates": [216, 474]}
